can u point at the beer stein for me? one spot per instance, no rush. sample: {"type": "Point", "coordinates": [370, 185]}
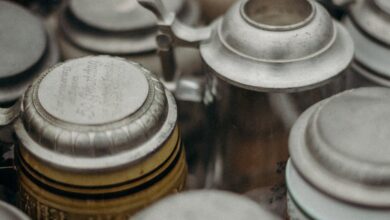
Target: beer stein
{"type": "Point", "coordinates": [97, 138]}
{"type": "Point", "coordinates": [122, 28]}
{"type": "Point", "coordinates": [340, 167]}
{"type": "Point", "coordinates": [205, 204]}
{"type": "Point", "coordinates": [7, 212]}
{"type": "Point", "coordinates": [26, 51]}
{"type": "Point", "coordinates": [369, 27]}
{"type": "Point", "coordinates": [266, 61]}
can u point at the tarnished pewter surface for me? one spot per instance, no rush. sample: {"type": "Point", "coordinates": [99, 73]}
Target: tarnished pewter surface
{"type": "Point", "coordinates": [22, 39]}
{"type": "Point", "coordinates": [95, 92]}
{"type": "Point", "coordinates": [272, 56]}
{"type": "Point", "coordinates": [118, 15]}
{"type": "Point", "coordinates": [372, 18]}
{"type": "Point", "coordinates": [207, 204]}
{"type": "Point", "coordinates": [104, 138]}
{"type": "Point", "coordinates": [341, 146]}
{"type": "Point", "coordinates": [8, 212]}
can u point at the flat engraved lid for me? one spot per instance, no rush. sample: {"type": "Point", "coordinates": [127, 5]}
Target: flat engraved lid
{"type": "Point", "coordinates": [341, 146]}
{"type": "Point", "coordinates": [207, 204]}
{"type": "Point", "coordinates": [22, 40]}
{"type": "Point", "coordinates": [96, 113]}
{"type": "Point", "coordinates": [118, 15]}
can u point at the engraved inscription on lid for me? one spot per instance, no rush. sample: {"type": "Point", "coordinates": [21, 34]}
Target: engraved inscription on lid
{"type": "Point", "coordinates": [93, 91]}
{"type": "Point", "coordinates": [22, 39]}
{"type": "Point", "coordinates": [96, 113]}
{"type": "Point", "coordinates": [118, 15]}
{"type": "Point", "coordinates": [342, 146]}
{"type": "Point", "coordinates": [207, 204]}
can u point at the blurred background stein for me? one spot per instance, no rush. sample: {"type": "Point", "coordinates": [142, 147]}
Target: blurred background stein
{"type": "Point", "coordinates": [27, 50]}
{"type": "Point", "coordinates": [266, 62]}
{"type": "Point", "coordinates": [369, 27]}
{"type": "Point", "coordinates": [204, 204]}
{"type": "Point", "coordinates": [8, 212]}
{"type": "Point", "coordinates": [340, 166]}
{"type": "Point", "coordinates": [121, 28]}
{"type": "Point", "coordinates": [97, 138]}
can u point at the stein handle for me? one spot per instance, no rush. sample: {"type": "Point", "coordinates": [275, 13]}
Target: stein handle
{"type": "Point", "coordinates": [173, 33]}
{"type": "Point", "coordinates": [178, 33]}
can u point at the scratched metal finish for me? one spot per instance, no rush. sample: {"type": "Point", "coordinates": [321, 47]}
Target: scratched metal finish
{"type": "Point", "coordinates": [96, 122]}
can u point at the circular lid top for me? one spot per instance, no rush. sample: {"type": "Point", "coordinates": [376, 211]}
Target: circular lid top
{"type": "Point", "coordinates": [96, 113]}
{"type": "Point", "coordinates": [82, 92]}
{"type": "Point", "coordinates": [373, 18]}
{"type": "Point", "coordinates": [277, 45]}
{"type": "Point", "coordinates": [118, 15]}
{"type": "Point", "coordinates": [22, 40]}
{"type": "Point", "coordinates": [200, 205]}
{"type": "Point", "coordinates": [8, 212]}
{"type": "Point", "coordinates": [341, 145]}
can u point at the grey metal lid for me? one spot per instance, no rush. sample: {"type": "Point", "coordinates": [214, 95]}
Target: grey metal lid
{"type": "Point", "coordinates": [8, 212]}
{"type": "Point", "coordinates": [120, 27]}
{"type": "Point", "coordinates": [22, 40]}
{"type": "Point", "coordinates": [207, 204]}
{"type": "Point", "coordinates": [277, 45]}
{"type": "Point", "coordinates": [369, 29]}
{"type": "Point", "coordinates": [373, 18]}
{"type": "Point", "coordinates": [118, 15]}
{"type": "Point", "coordinates": [96, 114]}
{"type": "Point", "coordinates": [341, 146]}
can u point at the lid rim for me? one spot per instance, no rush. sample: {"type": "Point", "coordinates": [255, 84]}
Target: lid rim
{"type": "Point", "coordinates": [343, 42]}
{"type": "Point", "coordinates": [320, 176]}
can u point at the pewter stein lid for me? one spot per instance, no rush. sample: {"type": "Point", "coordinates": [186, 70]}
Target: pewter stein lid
{"type": "Point", "coordinates": [372, 17]}
{"type": "Point", "coordinates": [277, 45]}
{"type": "Point", "coordinates": [369, 26]}
{"type": "Point", "coordinates": [118, 15]}
{"type": "Point", "coordinates": [96, 115]}
{"type": "Point", "coordinates": [23, 43]}
{"type": "Point", "coordinates": [341, 146]}
{"type": "Point", "coordinates": [126, 25]}
{"type": "Point", "coordinates": [8, 212]}
{"type": "Point", "coordinates": [206, 204]}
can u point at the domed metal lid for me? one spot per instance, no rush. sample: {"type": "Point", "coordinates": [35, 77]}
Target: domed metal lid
{"type": "Point", "coordinates": [373, 18]}
{"type": "Point", "coordinates": [127, 26]}
{"type": "Point", "coordinates": [369, 27]}
{"type": "Point", "coordinates": [118, 15]}
{"type": "Point", "coordinates": [277, 45]}
{"type": "Point", "coordinates": [96, 114]}
{"type": "Point", "coordinates": [341, 146]}
{"type": "Point", "coordinates": [8, 212]}
{"type": "Point", "coordinates": [22, 42]}
{"type": "Point", "coordinates": [200, 205]}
